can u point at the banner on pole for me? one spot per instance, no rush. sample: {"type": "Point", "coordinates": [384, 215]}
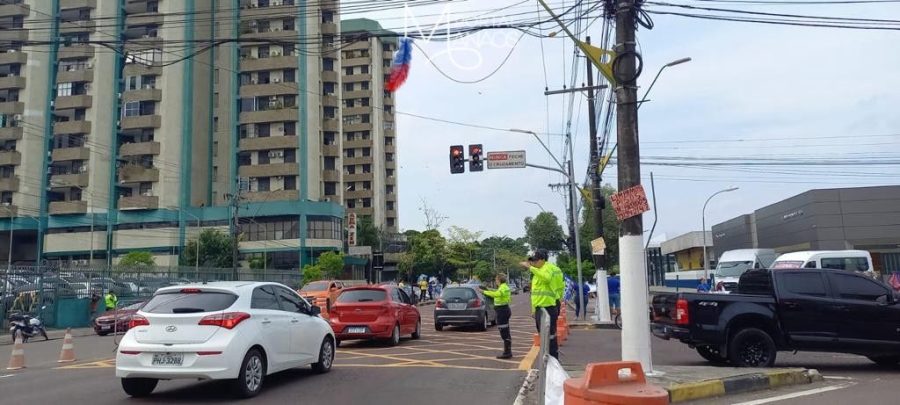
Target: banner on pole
{"type": "Point", "coordinates": [630, 203]}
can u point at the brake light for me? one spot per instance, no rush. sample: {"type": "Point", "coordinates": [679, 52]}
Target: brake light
{"type": "Point", "coordinates": [208, 353]}
{"type": "Point", "coordinates": [682, 316]}
{"type": "Point", "coordinates": [439, 304]}
{"type": "Point", "coordinates": [476, 302]}
{"type": "Point", "coordinates": [130, 352]}
{"type": "Point", "coordinates": [137, 320]}
{"type": "Point", "coordinates": [190, 291]}
{"type": "Point", "coordinates": [227, 320]}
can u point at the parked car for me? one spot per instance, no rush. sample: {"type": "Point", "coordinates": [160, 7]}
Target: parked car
{"type": "Point", "coordinates": [733, 263]}
{"type": "Point", "coordinates": [322, 293]}
{"type": "Point", "coordinates": [823, 310]}
{"type": "Point", "coordinates": [464, 305]}
{"type": "Point", "coordinates": [513, 288]}
{"type": "Point", "coordinates": [116, 321]}
{"type": "Point", "coordinates": [239, 331]}
{"type": "Point", "coordinates": [375, 312]}
{"type": "Point", "coordinates": [851, 260]}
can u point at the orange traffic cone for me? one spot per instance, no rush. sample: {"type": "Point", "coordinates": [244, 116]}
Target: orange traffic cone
{"type": "Point", "coordinates": [67, 354]}
{"type": "Point", "coordinates": [17, 358]}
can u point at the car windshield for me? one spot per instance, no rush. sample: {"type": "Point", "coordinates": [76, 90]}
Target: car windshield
{"type": "Point", "coordinates": [461, 293]}
{"type": "Point", "coordinates": [732, 269]}
{"type": "Point", "coordinates": [176, 302]}
{"type": "Point", "coordinates": [136, 306]}
{"type": "Point", "coordinates": [315, 286]}
{"type": "Point", "coordinates": [351, 296]}
{"type": "Point", "coordinates": [788, 264]}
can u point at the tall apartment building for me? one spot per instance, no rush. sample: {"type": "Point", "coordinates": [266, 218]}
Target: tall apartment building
{"type": "Point", "coordinates": [112, 146]}
{"type": "Point", "coordinates": [370, 142]}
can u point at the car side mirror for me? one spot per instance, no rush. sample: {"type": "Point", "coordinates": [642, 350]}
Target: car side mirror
{"type": "Point", "coordinates": [315, 310]}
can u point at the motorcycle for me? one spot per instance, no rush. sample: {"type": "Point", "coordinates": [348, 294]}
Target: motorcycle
{"type": "Point", "coordinates": [26, 325]}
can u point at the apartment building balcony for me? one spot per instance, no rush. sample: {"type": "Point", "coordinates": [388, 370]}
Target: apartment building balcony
{"type": "Point", "coordinates": [329, 28]}
{"type": "Point", "coordinates": [331, 150]}
{"type": "Point", "coordinates": [277, 195]}
{"type": "Point", "coordinates": [10, 157]}
{"type": "Point", "coordinates": [71, 27]}
{"type": "Point", "coordinates": [390, 149]}
{"type": "Point", "coordinates": [144, 43]}
{"type": "Point", "coordinates": [329, 76]}
{"type": "Point", "coordinates": [390, 180]}
{"type": "Point", "coordinates": [69, 180]}
{"type": "Point", "coordinates": [71, 127]}
{"type": "Point", "coordinates": [280, 115]}
{"type": "Point", "coordinates": [76, 51]}
{"type": "Point", "coordinates": [362, 77]}
{"type": "Point", "coordinates": [76, 101]}
{"type": "Point", "coordinates": [68, 207]}
{"type": "Point", "coordinates": [359, 160]}
{"type": "Point", "coordinates": [12, 107]}
{"type": "Point", "coordinates": [268, 143]}
{"type": "Point", "coordinates": [251, 12]}
{"type": "Point", "coordinates": [77, 4]}
{"type": "Point", "coordinates": [363, 211]}
{"type": "Point", "coordinates": [276, 33]}
{"type": "Point", "coordinates": [331, 125]}
{"type": "Point", "coordinates": [331, 101]}
{"type": "Point", "coordinates": [390, 164]}
{"type": "Point", "coordinates": [358, 177]}
{"type": "Point", "coordinates": [141, 121]}
{"type": "Point", "coordinates": [15, 35]}
{"type": "Point", "coordinates": [11, 134]}
{"type": "Point", "coordinates": [357, 94]}
{"type": "Point", "coordinates": [388, 101]}
{"type": "Point", "coordinates": [73, 76]}
{"type": "Point", "coordinates": [268, 89]}
{"type": "Point", "coordinates": [69, 154]}
{"type": "Point", "coordinates": [14, 10]}
{"type": "Point", "coordinates": [138, 174]}
{"type": "Point", "coordinates": [391, 214]}
{"type": "Point", "coordinates": [9, 183]}
{"type": "Point", "coordinates": [367, 126]}
{"type": "Point", "coordinates": [356, 110]}
{"type": "Point", "coordinates": [269, 170]}
{"type": "Point", "coordinates": [142, 95]}
{"type": "Point", "coordinates": [139, 202]}
{"type": "Point", "coordinates": [16, 57]}
{"type": "Point", "coordinates": [358, 143]}
{"type": "Point", "coordinates": [251, 64]}
{"type": "Point", "coordinates": [137, 69]}
{"type": "Point", "coordinates": [139, 149]}
{"type": "Point", "coordinates": [144, 19]}
{"type": "Point", "coordinates": [9, 211]}
{"type": "Point", "coordinates": [12, 82]}
{"type": "Point", "coordinates": [358, 194]}
{"type": "Point", "coordinates": [331, 175]}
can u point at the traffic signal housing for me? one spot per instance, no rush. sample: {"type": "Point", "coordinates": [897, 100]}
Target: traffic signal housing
{"type": "Point", "coordinates": [476, 164]}
{"type": "Point", "coordinates": [457, 159]}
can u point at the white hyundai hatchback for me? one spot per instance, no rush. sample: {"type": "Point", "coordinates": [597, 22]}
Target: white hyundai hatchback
{"type": "Point", "coordinates": [241, 331]}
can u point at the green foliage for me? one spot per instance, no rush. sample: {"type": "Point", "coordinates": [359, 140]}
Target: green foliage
{"type": "Point", "coordinates": [137, 259]}
{"type": "Point", "coordinates": [569, 266]}
{"type": "Point", "coordinates": [505, 243]}
{"type": "Point", "coordinates": [367, 234]}
{"type": "Point", "coordinates": [331, 264]}
{"type": "Point", "coordinates": [483, 271]}
{"type": "Point", "coordinates": [215, 250]}
{"type": "Point", "coordinates": [610, 229]}
{"type": "Point", "coordinates": [311, 272]}
{"type": "Point", "coordinates": [545, 232]}
{"type": "Point", "coordinates": [429, 252]}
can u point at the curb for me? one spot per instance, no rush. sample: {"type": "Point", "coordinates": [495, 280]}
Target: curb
{"type": "Point", "coordinates": [740, 384]}
{"type": "Point", "coordinates": [590, 326]}
{"type": "Point", "coordinates": [527, 386]}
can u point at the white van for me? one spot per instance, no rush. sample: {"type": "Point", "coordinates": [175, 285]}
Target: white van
{"type": "Point", "coordinates": [851, 260]}
{"type": "Point", "coordinates": [733, 263]}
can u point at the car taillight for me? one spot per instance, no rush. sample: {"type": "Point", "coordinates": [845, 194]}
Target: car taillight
{"type": "Point", "coordinates": [681, 312]}
{"type": "Point", "coordinates": [130, 352]}
{"type": "Point", "coordinates": [137, 320]}
{"type": "Point", "coordinates": [190, 291]}
{"type": "Point", "coordinates": [227, 320]}
{"type": "Point", "coordinates": [439, 304]}
{"type": "Point", "coordinates": [476, 302]}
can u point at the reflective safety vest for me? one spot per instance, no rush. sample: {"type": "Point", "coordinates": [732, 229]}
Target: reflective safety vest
{"type": "Point", "coordinates": [557, 281]}
{"type": "Point", "coordinates": [111, 301]}
{"type": "Point", "coordinates": [542, 292]}
{"type": "Point", "coordinates": [501, 295]}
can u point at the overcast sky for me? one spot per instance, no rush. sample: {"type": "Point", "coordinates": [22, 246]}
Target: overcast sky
{"type": "Point", "coordinates": [746, 85]}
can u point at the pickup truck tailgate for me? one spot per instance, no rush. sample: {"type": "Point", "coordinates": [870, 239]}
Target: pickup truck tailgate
{"type": "Point", "coordinates": [663, 308]}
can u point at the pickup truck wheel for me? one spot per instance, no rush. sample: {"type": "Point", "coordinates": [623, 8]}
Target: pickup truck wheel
{"type": "Point", "coordinates": [752, 347]}
{"type": "Point", "coordinates": [712, 354]}
{"type": "Point", "coordinates": [885, 361]}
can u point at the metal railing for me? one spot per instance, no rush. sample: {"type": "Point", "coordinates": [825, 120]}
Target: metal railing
{"type": "Point", "coordinates": [543, 354]}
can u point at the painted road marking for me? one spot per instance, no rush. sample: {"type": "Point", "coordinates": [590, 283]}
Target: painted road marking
{"type": "Point", "coordinates": [110, 363]}
{"type": "Point", "coordinates": [796, 394]}
{"type": "Point", "coordinates": [7, 376]}
{"type": "Point", "coordinates": [526, 363]}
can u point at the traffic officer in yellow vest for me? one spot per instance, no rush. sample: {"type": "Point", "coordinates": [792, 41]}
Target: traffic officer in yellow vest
{"type": "Point", "coordinates": [111, 300]}
{"type": "Point", "coordinates": [501, 298]}
{"type": "Point", "coordinates": [547, 286]}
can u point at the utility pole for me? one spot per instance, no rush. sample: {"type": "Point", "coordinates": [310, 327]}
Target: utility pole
{"type": "Point", "coordinates": [635, 320]}
{"type": "Point", "coordinates": [596, 193]}
{"type": "Point", "coordinates": [235, 203]}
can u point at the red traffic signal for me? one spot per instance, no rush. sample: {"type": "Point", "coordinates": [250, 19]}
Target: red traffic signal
{"type": "Point", "coordinates": [457, 159]}
{"type": "Point", "coordinates": [475, 158]}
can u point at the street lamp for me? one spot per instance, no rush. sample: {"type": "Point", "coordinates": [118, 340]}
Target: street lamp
{"type": "Point", "coordinates": [706, 259]}
{"type": "Point", "coordinates": [538, 204]}
{"type": "Point", "coordinates": [670, 64]}
{"type": "Point", "coordinates": [90, 209]}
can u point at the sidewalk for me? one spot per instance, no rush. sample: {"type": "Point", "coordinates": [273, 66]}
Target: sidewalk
{"type": "Point", "coordinates": [53, 334]}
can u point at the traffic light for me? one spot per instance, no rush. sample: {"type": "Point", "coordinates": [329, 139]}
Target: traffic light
{"type": "Point", "coordinates": [475, 162]}
{"type": "Point", "coordinates": [457, 159]}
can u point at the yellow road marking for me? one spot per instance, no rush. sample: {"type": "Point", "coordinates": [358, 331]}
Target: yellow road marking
{"type": "Point", "coordinates": [526, 363]}
{"type": "Point", "coordinates": [109, 363]}
{"type": "Point", "coordinates": [383, 356]}
{"type": "Point", "coordinates": [473, 356]}
{"type": "Point", "coordinates": [412, 365]}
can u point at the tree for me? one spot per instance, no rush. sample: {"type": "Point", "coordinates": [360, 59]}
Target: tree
{"type": "Point", "coordinates": [433, 218]}
{"type": "Point", "coordinates": [505, 243]}
{"type": "Point", "coordinates": [311, 272]}
{"type": "Point", "coordinates": [331, 264]}
{"type": "Point", "coordinates": [367, 234]}
{"type": "Point", "coordinates": [610, 229]}
{"type": "Point", "coordinates": [545, 232]}
{"type": "Point", "coordinates": [215, 250]}
{"type": "Point", "coordinates": [137, 259]}
{"type": "Point", "coordinates": [428, 250]}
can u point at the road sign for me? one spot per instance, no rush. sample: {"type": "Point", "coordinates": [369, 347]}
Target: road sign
{"type": "Point", "coordinates": [630, 203]}
{"type": "Point", "coordinates": [514, 159]}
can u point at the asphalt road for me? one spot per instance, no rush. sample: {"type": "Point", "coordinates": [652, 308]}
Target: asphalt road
{"type": "Point", "coordinates": [454, 366]}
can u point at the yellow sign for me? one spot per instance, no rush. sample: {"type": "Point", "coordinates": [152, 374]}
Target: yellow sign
{"type": "Point", "coordinates": [598, 246]}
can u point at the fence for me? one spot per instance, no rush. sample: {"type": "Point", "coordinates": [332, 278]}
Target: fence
{"type": "Point", "coordinates": [63, 297]}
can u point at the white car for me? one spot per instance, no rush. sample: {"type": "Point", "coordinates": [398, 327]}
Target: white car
{"type": "Point", "coordinates": [241, 331]}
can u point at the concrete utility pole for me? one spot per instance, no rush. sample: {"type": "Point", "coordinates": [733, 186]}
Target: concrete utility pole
{"type": "Point", "coordinates": [596, 194]}
{"type": "Point", "coordinates": [635, 319]}
{"type": "Point", "coordinates": [235, 201]}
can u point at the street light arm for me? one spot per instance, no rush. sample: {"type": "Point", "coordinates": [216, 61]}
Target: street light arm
{"type": "Point", "coordinates": [670, 64]}
{"type": "Point", "coordinates": [522, 131]}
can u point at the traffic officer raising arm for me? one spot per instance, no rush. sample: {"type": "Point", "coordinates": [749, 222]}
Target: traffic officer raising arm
{"type": "Point", "coordinates": [544, 294]}
{"type": "Point", "coordinates": [501, 298]}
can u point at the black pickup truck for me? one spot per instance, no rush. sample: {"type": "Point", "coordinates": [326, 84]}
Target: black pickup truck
{"type": "Point", "coordinates": [785, 310]}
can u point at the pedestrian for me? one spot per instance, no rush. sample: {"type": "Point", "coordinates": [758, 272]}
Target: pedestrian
{"type": "Point", "coordinates": [431, 290]}
{"type": "Point", "coordinates": [586, 293]}
{"type": "Point", "coordinates": [501, 298]}
{"type": "Point", "coordinates": [423, 289]}
{"type": "Point", "coordinates": [547, 287]}
{"type": "Point", "coordinates": [704, 286]}
{"type": "Point", "coordinates": [111, 300]}
{"type": "Point", "coordinates": [612, 286]}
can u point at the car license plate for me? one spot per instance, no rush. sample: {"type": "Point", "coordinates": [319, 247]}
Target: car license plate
{"type": "Point", "coordinates": [105, 327]}
{"type": "Point", "coordinates": [356, 329]}
{"type": "Point", "coordinates": [457, 306]}
{"type": "Point", "coordinates": [168, 359]}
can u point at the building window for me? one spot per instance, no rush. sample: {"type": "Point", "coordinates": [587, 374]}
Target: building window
{"type": "Point", "coordinates": [365, 135]}
{"type": "Point", "coordinates": [132, 109]}
{"type": "Point", "coordinates": [350, 169]}
{"type": "Point", "coordinates": [367, 202]}
{"type": "Point", "coordinates": [330, 163]}
{"type": "Point", "coordinates": [367, 185]}
{"type": "Point", "coordinates": [365, 85]}
{"type": "Point", "coordinates": [350, 203]}
{"type": "Point", "coordinates": [365, 102]}
{"type": "Point", "coordinates": [364, 69]}
{"type": "Point", "coordinates": [63, 89]}
{"type": "Point", "coordinates": [390, 205]}
{"type": "Point", "coordinates": [328, 138]}
{"type": "Point", "coordinates": [330, 188]}
{"type": "Point", "coordinates": [389, 172]}
{"type": "Point", "coordinates": [350, 153]}
{"type": "Point", "coordinates": [290, 156]}
{"type": "Point", "coordinates": [365, 118]}
{"type": "Point", "coordinates": [367, 151]}
{"type": "Point", "coordinates": [351, 186]}
{"type": "Point", "coordinates": [328, 88]}
{"type": "Point", "coordinates": [367, 168]}
{"type": "Point", "coordinates": [388, 140]}
{"type": "Point", "coordinates": [348, 71]}
{"type": "Point", "coordinates": [348, 86]}
{"type": "Point", "coordinates": [263, 130]}
{"type": "Point", "coordinates": [328, 65]}
{"type": "Point", "coordinates": [391, 222]}
{"type": "Point", "coordinates": [330, 112]}
{"type": "Point", "coordinates": [290, 128]}
{"type": "Point", "coordinates": [348, 136]}
{"type": "Point", "coordinates": [262, 184]}
{"type": "Point", "coordinates": [290, 183]}
{"type": "Point", "coordinates": [262, 157]}
{"type": "Point", "coordinates": [272, 228]}
{"type": "Point", "coordinates": [289, 75]}
{"type": "Point", "coordinates": [389, 189]}
{"type": "Point", "coordinates": [389, 157]}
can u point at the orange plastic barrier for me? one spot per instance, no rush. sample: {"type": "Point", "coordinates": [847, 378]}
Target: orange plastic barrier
{"type": "Point", "coordinates": [602, 384]}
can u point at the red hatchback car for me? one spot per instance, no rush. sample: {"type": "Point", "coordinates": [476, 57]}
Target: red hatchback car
{"type": "Point", "coordinates": [375, 312]}
{"type": "Point", "coordinates": [115, 321]}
